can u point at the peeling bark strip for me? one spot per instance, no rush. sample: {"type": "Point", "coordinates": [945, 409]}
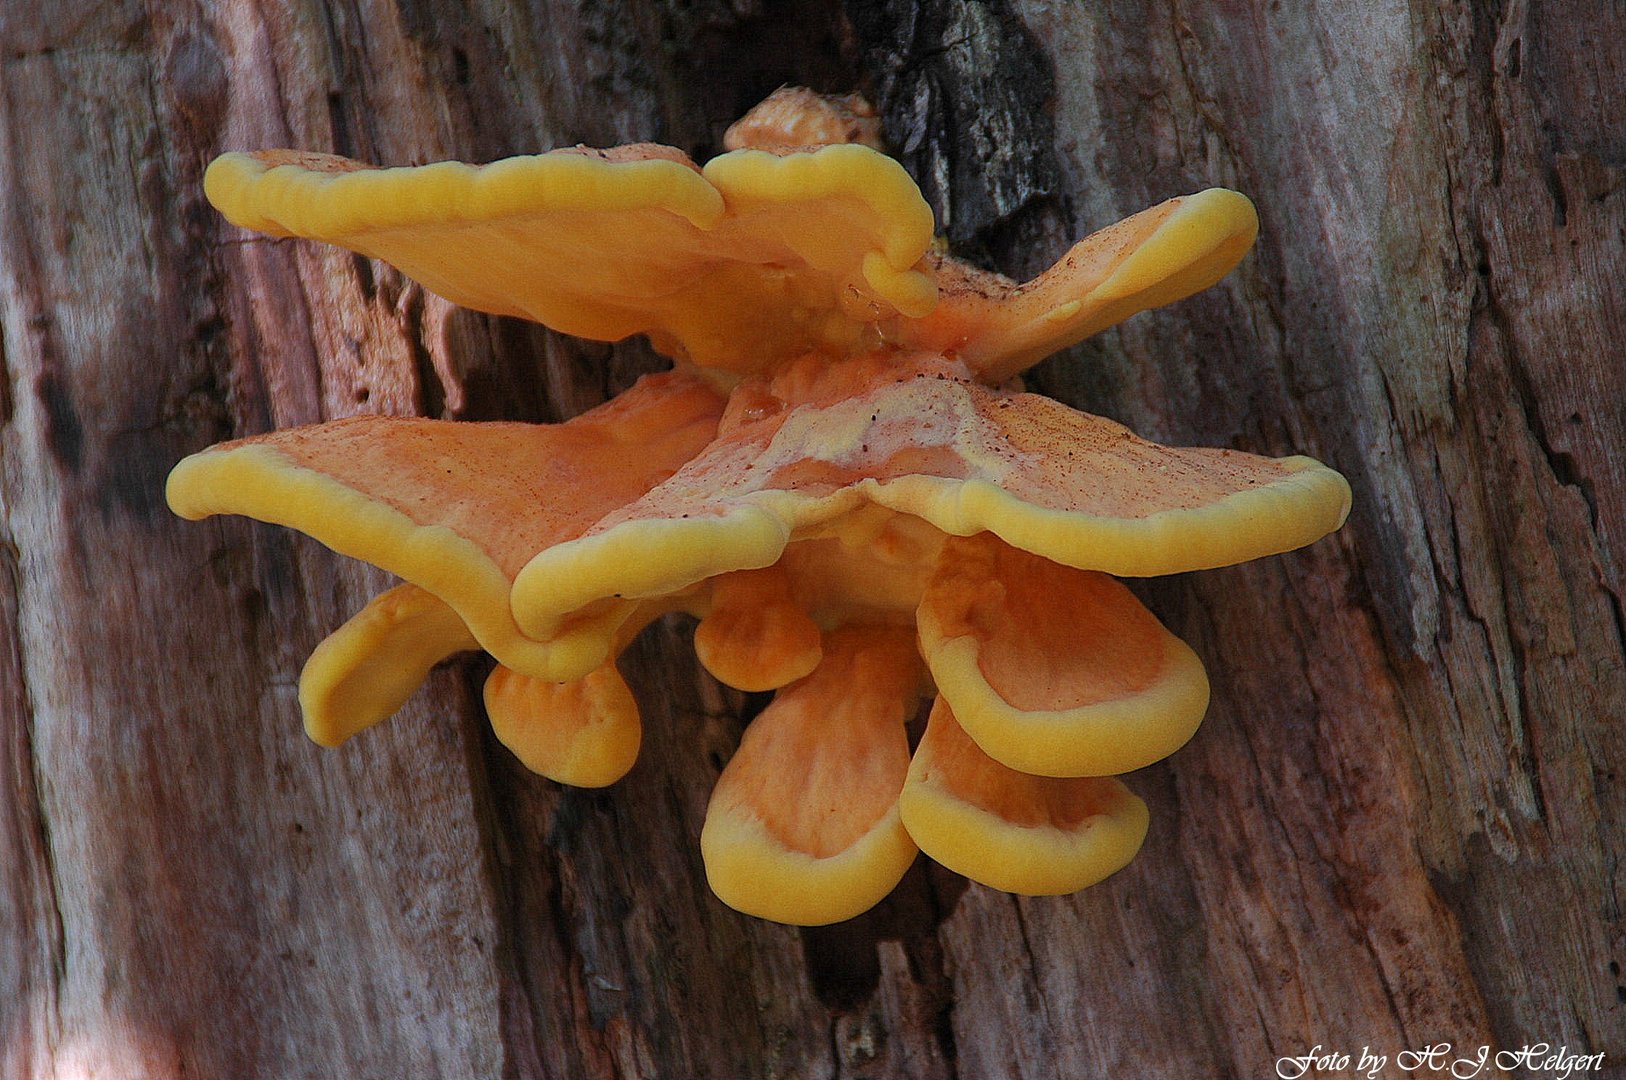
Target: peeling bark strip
{"type": "Point", "coordinates": [1401, 822]}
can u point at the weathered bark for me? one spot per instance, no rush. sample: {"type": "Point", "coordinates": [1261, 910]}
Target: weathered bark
{"type": "Point", "coordinates": [1400, 824]}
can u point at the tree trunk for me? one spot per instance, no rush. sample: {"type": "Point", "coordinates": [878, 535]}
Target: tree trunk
{"type": "Point", "coordinates": [1399, 825]}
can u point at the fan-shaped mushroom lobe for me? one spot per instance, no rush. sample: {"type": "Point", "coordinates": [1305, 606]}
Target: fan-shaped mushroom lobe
{"type": "Point", "coordinates": [754, 259]}
{"type": "Point", "coordinates": [924, 441]}
{"type": "Point", "coordinates": [1035, 835]}
{"type": "Point", "coordinates": [584, 732]}
{"type": "Point", "coordinates": [1052, 670]}
{"type": "Point", "coordinates": [1160, 255]}
{"type": "Point", "coordinates": [803, 826]}
{"type": "Point", "coordinates": [459, 508]}
{"type": "Point", "coordinates": [366, 669]}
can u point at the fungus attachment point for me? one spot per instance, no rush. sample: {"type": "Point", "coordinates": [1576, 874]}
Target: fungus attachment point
{"type": "Point", "coordinates": [1052, 670]}
{"type": "Point", "coordinates": [836, 458]}
{"type": "Point", "coordinates": [803, 825]}
{"type": "Point", "coordinates": [795, 118]}
{"type": "Point", "coordinates": [1036, 835]}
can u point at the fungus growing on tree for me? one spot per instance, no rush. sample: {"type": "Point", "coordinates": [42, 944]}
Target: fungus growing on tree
{"type": "Point", "coordinates": [839, 477]}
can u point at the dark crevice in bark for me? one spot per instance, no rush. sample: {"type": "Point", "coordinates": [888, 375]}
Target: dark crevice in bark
{"type": "Point", "coordinates": [1527, 399]}
{"type": "Point", "coordinates": [431, 390]}
{"type": "Point", "coordinates": [64, 433]}
{"type": "Point", "coordinates": [1048, 1027]}
{"type": "Point", "coordinates": [928, 967]}
{"type": "Point", "coordinates": [842, 959]}
{"type": "Point", "coordinates": [1619, 616]}
{"type": "Point", "coordinates": [842, 966]}
{"type": "Point", "coordinates": [6, 407]}
{"type": "Point", "coordinates": [966, 99]}
{"type": "Point", "coordinates": [732, 61]}
{"type": "Point", "coordinates": [506, 380]}
{"type": "Point", "coordinates": [517, 1023]}
{"type": "Point", "coordinates": [1489, 26]}
{"type": "Point", "coordinates": [507, 820]}
{"type": "Point", "coordinates": [36, 880]}
{"type": "Point", "coordinates": [362, 267]}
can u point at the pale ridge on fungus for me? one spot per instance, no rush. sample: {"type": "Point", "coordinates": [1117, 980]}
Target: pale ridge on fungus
{"type": "Point", "coordinates": [284, 195]}
{"type": "Point", "coordinates": [1298, 510]}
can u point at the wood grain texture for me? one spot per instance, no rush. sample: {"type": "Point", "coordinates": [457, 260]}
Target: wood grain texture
{"type": "Point", "coordinates": [1401, 822]}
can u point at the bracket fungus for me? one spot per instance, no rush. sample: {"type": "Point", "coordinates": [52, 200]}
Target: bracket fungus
{"type": "Point", "coordinates": [840, 477]}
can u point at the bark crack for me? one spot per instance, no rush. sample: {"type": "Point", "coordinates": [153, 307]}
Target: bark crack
{"type": "Point", "coordinates": [6, 408]}
{"type": "Point", "coordinates": [926, 964]}
{"type": "Point", "coordinates": [516, 1023]}
{"type": "Point", "coordinates": [37, 879]}
{"type": "Point", "coordinates": [432, 388]}
{"type": "Point", "coordinates": [30, 805]}
{"type": "Point", "coordinates": [1272, 817]}
{"type": "Point", "coordinates": [1203, 104]}
{"type": "Point", "coordinates": [1507, 675]}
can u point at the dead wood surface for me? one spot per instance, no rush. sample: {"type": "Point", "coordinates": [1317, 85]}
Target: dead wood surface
{"type": "Point", "coordinates": [1400, 824]}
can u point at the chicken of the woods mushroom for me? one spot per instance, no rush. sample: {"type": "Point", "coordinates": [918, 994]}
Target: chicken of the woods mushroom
{"type": "Point", "coordinates": [840, 477]}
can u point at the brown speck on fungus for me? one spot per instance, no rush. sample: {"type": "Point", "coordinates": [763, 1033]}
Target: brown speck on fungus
{"type": "Point", "coordinates": [838, 476]}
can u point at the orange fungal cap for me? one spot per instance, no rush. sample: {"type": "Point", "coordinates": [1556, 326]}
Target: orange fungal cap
{"type": "Point", "coordinates": [458, 508]}
{"type": "Point", "coordinates": [1055, 671]}
{"type": "Point", "coordinates": [756, 637]}
{"type": "Point", "coordinates": [1076, 489]}
{"type": "Point", "coordinates": [1035, 835]}
{"type": "Point", "coordinates": [365, 670]}
{"type": "Point", "coordinates": [803, 825]}
{"type": "Point", "coordinates": [584, 732]}
{"type": "Point", "coordinates": [1155, 257]}
{"type": "Point", "coordinates": [752, 259]}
